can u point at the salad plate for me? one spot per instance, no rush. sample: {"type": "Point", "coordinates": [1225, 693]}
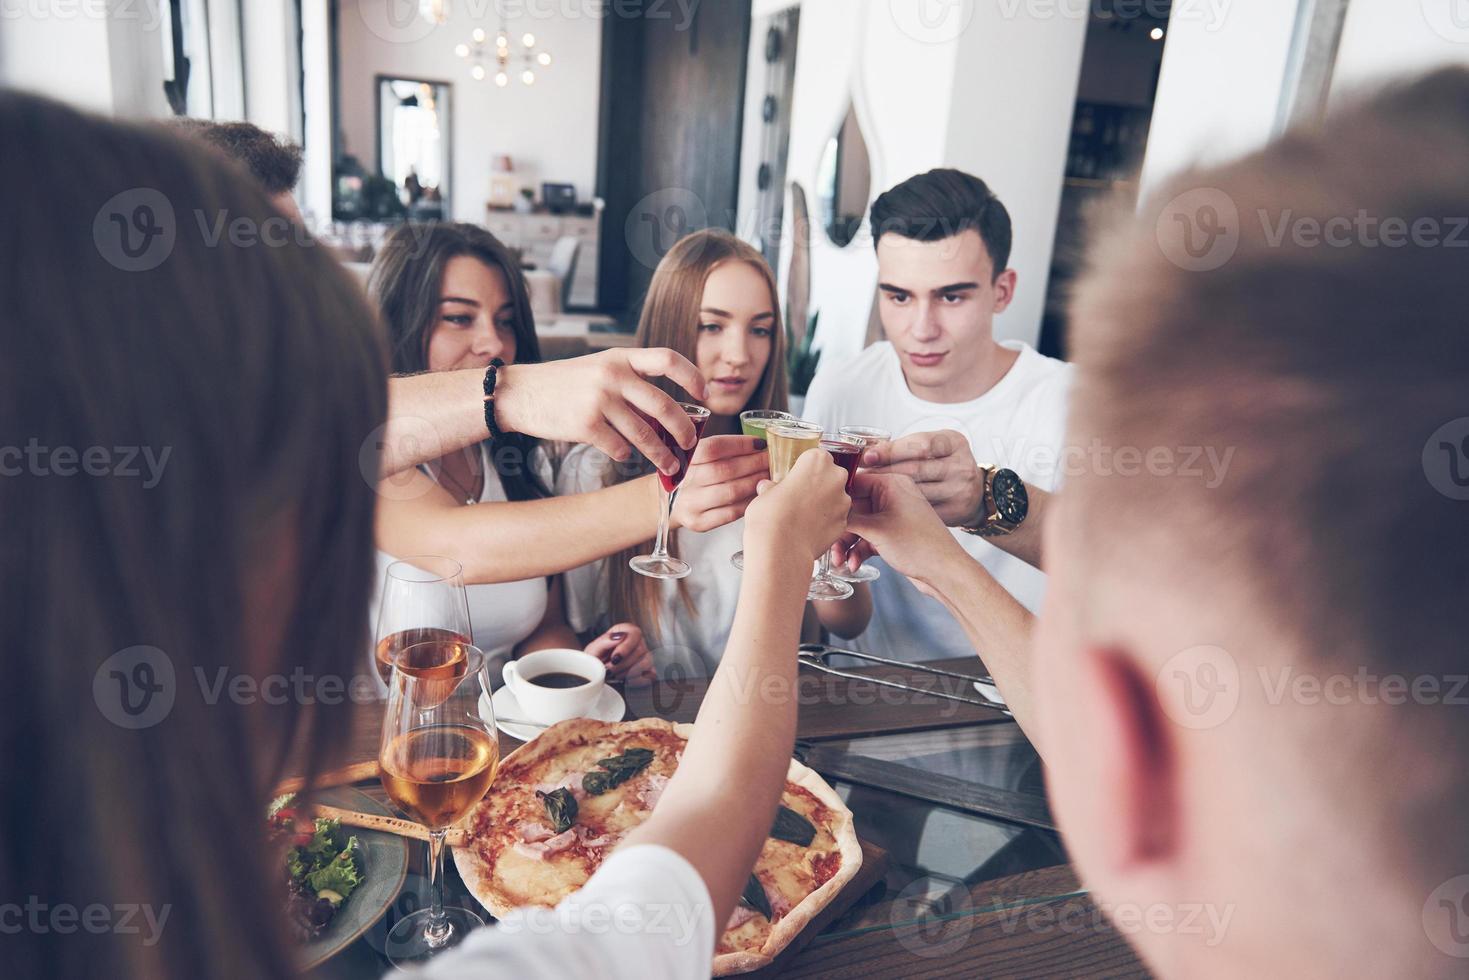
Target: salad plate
{"type": "Point", "coordinates": [375, 867]}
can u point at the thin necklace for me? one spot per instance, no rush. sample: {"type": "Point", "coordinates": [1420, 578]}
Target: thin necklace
{"type": "Point", "coordinates": [470, 497]}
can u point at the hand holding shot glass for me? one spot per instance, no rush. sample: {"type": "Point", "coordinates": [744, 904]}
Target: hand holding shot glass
{"type": "Point", "coordinates": [870, 437]}
{"type": "Point", "coordinates": [660, 564]}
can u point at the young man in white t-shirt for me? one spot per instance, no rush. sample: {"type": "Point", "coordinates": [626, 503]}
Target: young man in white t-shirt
{"type": "Point", "coordinates": [951, 395]}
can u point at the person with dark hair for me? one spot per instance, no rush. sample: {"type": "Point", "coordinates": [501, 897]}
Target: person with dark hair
{"type": "Point", "coordinates": [952, 395]}
{"type": "Point", "coordinates": [275, 163]}
{"type": "Point", "coordinates": [127, 783]}
{"type": "Point", "coordinates": [1250, 692]}
{"type": "Point", "coordinates": [453, 298]}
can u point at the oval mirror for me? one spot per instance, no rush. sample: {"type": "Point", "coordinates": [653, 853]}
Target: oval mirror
{"type": "Point", "coordinates": [844, 182]}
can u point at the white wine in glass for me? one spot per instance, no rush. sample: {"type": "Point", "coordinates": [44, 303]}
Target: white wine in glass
{"type": "Point", "coordinates": [438, 757]}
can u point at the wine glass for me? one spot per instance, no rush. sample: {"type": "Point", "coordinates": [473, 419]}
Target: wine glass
{"type": "Point", "coordinates": [753, 424]}
{"type": "Point", "coordinates": [423, 599]}
{"type": "Point", "coordinates": [870, 437]}
{"type": "Point", "coordinates": [660, 564]}
{"type": "Point", "coordinates": [437, 759]}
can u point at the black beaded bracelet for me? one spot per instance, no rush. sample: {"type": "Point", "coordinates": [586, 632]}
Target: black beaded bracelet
{"type": "Point", "coordinates": [491, 376]}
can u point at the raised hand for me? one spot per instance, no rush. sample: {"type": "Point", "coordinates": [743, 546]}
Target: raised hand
{"type": "Point", "coordinates": [940, 464]}
{"type": "Point", "coordinates": [720, 483]}
{"type": "Point", "coordinates": [894, 518]}
{"type": "Point", "coordinates": [601, 399]}
{"type": "Point", "coordinates": [805, 512]}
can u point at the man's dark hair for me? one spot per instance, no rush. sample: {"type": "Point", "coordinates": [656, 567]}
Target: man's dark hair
{"type": "Point", "coordinates": [941, 204]}
{"type": "Point", "coordinates": [274, 162]}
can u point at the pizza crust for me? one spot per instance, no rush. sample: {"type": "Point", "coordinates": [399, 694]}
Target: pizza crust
{"type": "Point", "coordinates": [550, 743]}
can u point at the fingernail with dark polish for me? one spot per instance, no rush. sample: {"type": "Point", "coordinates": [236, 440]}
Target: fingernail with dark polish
{"type": "Point", "coordinates": [617, 636]}
{"type": "Point", "coordinates": [617, 658]}
{"type": "Point", "coordinates": [759, 444]}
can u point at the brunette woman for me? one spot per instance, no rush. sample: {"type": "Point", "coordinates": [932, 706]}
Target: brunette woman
{"type": "Point", "coordinates": [453, 298]}
{"type": "Point", "coordinates": [714, 300]}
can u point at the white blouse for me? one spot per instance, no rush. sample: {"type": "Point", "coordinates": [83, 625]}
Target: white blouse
{"type": "Point", "coordinates": [500, 615]}
{"type": "Point", "coordinates": [690, 643]}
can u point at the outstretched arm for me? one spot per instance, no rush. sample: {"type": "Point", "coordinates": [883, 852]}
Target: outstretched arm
{"type": "Point", "coordinates": [600, 399]}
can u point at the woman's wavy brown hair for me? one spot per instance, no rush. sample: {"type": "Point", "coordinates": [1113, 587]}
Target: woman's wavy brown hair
{"type": "Point", "coordinates": [259, 369]}
{"type": "Point", "coordinates": [670, 318]}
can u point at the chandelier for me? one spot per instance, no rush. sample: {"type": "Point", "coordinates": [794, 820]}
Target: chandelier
{"type": "Point", "coordinates": [523, 59]}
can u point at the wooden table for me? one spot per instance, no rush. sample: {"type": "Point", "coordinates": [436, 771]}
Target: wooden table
{"type": "Point", "coordinates": [961, 912]}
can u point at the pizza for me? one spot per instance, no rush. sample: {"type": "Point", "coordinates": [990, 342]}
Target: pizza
{"type": "Point", "coordinates": [562, 802]}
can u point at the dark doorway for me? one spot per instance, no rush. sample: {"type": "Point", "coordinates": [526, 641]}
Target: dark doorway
{"type": "Point", "coordinates": [673, 92]}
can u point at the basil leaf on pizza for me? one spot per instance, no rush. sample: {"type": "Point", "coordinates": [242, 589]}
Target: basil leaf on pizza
{"type": "Point", "coordinates": [562, 802]}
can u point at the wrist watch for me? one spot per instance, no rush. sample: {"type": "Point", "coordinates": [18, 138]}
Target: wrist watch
{"type": "Point", "coordinates": [1003, 505]}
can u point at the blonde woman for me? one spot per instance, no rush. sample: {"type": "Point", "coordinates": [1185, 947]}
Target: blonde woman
{"type": "Point", "coordinates": [713, 300]}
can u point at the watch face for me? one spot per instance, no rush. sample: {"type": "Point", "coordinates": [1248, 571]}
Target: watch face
{"type": "Point", "coordinates": [1011, 501]}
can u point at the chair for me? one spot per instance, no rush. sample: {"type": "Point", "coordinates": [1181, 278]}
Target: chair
{"type": "Point", "coordinates": [563, 264]}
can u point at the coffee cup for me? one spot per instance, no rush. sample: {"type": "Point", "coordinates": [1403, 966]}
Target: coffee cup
{"type": "Point", "coordinates": [555, 685]}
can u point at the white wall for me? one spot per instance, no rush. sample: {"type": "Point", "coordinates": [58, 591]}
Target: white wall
{"type": "Point", "coordinates": [549, 129]}
{"type": "Point", "coordinates": [1014, 95]}
{"type": "Point", "coordinates": [1220, 87]}
{"type": "Point", "coordinates": [987, 92]}
{"type": "Point", "coordinates": [106, 58]}
{"type": "Point", "coordinates": [1382, 38]}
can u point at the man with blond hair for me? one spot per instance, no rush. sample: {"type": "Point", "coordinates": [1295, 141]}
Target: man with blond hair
{"type": "Point", "coordinates": [1251, 697]}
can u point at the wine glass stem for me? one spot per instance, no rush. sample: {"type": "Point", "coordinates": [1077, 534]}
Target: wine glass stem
{"type": "Point", "coordinates": [660, 548]}
{"type": "Point", "coordinates": [823, 566]}
{"type": "Point", "coordinates": [436, 932]}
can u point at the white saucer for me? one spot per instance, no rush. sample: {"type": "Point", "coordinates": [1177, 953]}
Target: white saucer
{"type": "Point", "coordinates": [609, 707]}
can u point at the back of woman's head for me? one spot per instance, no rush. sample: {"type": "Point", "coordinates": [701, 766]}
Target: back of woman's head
{"type": "Point", "coordinates": [190, 504]}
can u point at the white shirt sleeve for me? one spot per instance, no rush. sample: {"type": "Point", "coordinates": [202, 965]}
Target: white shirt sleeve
{"type": "Point", "coordinates": [645, 915]}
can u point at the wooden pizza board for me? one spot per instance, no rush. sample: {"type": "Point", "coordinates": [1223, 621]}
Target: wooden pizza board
{"type": "Point", "coordinates": [874, 867]}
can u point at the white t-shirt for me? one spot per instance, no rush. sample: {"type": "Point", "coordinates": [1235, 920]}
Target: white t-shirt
{"type": "Point", "coordinates": [1020, 423]}
{"type": "Point", "coordinates": [645, 915]}
{"type": "Point", "coordinates": [690, 644]}
{"type": "Point", "coordinates": [502, 614]}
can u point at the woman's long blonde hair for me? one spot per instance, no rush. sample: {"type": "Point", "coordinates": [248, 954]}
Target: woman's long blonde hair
{"type": "Point", "coordinates": [670, 318]}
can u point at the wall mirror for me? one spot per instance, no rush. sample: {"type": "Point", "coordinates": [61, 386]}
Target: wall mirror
{"type": "Point", "coordinates": [844, 182]}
